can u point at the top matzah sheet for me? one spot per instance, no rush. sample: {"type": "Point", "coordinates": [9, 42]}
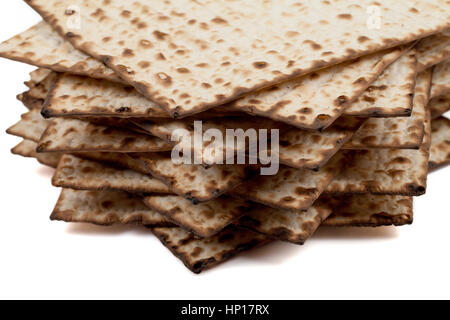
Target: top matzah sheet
{"type": "Point", "coordinates": [188, 46]}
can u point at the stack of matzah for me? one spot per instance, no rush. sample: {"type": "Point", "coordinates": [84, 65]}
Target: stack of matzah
{"type": "Point", "coordinates": [357, 90]}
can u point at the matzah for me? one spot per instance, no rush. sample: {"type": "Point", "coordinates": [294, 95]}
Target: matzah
{"type": "Point", "coordinates": [386, 171]}
{"type": "Point", "coordinates": [315, 101]}
{"type": "Point", "coordinates": [30, 127]}
{"type": "Point", "coordinates": [204, 219]}
{"type": "Point", "coordinates": [441, 79]}
{"type": "Point", "coordinates": [369, 210]}
{"type": "Point", "coordinates": [400, 133]}
{"type": "Point", "coordinates": [43, 47]}
{"type": "Point", "coordinates": [81, 174]}
{"type": "Point", "coordinates": [37, 76]}
{"type": "Point", "coordinates": [291, 189]}
{"type": "Point", "coordinates": [284, 225]}
{"type": "Point", "coordinates": [433, 50]}
{"type": "Point", "coordinates": [105, 208]}
{"type": "Point", "coordinates": [391, 95]}
{"type": "Point", "coordinates": [249, 44]}
{"type": "Point", "coordinates": [200, 254]}
{"type": "Point", "coordinates": [440, 144]}
{"type": "Point", "coordinates": [439, 105]}
{"type": "Point", "coordinates": [72, 135]}
{"type": "Point", "coordinates": [80, 96]}
{"type": "Point", "coordinates": [193, 182]}
{"type": "Point", "coordinates": [27, 148]}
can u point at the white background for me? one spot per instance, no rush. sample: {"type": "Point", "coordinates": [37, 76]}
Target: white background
{"type": "Point", "coordinates": [43, 259]}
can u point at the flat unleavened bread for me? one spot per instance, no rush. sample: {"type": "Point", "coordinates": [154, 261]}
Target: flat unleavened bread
{"type": "Point", "coordinates": [315, 101]}
{"type": "Point", "coordinates": [204, 219]}
{"type": "Point", "coordinates": [27, 148]}
{"type": "Point", "coordinates": [169, 131]}
{"type": "Point", "coordinates": [290, 189]}
{"type": "Point", "coordinates": [440, 143]}
{"type": "Point", "coordinates": [122, 160]}
{"type": "Point", "coordinates": [441, 79]}
{"type": "Point", "coordinates": [189, 46]}
{"type": "Point", "coordinates": [194, 182]}
{"type": "Point", "coordinates": [200, 254]}
{"type": "Point", "coordinates": [105, 208]}
{"type": "Point", "coordinates": [385, 171]}
{"type": "Point", "coordinates": [41, 90]}
{"type": "Point", "coordinates": [391, 95]}
{"type": "Point", "coordinates": [37, 76]}
{"type": "Point", "coordinates": [72, 135]}
{"type": "Point", "coordinates": [43, 47]}
{"type": "Point", "coordinates": [368, 210]}
{"type": "Point", "coordinates": [30, 127]}
{"type": "Point", "coordinates": [81, 96]}
{"type": "Point", "coordinates": [399, 133]}
{"type": "Point", "coordinates": [439, 105]}
{"type": "Point", "coordinates": [80, 174]}
{"type": "Point", "coordinates": [284, 225]}
{"type": "Point", "coordinates": [30, 102]}
{"type": "Point", "coordinates": [433, 50]}
{"type": "Point", "coordinates": [311, 150]}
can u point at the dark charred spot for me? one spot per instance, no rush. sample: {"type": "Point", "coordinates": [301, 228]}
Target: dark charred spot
{"type": "Point", "coordinates": [123, 109]}
{"type": "Point", "coordinates": [260, 65]}
{"type": "Point", "coordinates": [128, 53]}
{"type": "Point", "coordinates": [183, 70]}
{"type": "Point", "coordinates": [219, 20]}
{"type": "Point", "coordinates": [345, 16]}
{"type": "Point", "coordinates": [363, 39]}
{"type": "Point", "coordinates": [144, 64]}
{"type": "Point", "coordinates": [160, 35]}
{"type": "Point", "coordinates": [342, 100]}
{"type": "Point", "coordinates": [126, 14]}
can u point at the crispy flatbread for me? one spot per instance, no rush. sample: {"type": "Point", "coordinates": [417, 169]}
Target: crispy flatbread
{"type": "Point", "coordinates": [194, 182]}
{"type": "Point", "coordinates": [27, 148]}
{"type": "Point", "coordinates": [391, 95]}
{"type": "Point", "coordinates": [81, 174]}
{"type": "Point", "coordinates": [30, 127]}
{"type": "Point", "coordinates": [439, 105]}
{"type": "Point", "coordinates": [369, 210]}
{"type": "Point", "coordinates": [440, 145]}
{"type": "Point", "coordinates": [249, 44]}
{"type": "Point", "coordinates": [37, 76]}
{"type": "Point", "coordinates": [433, 50]}
{"type": "Point", "coordinates": [315, 101]}
{"type": "Point", "coordinates": [81, 96]}
{"type": "Point", "coordinates": [386, 171]}
{"type": "Point", "coordinates": [72, 135]}
{"type": "Point", "coordinates": [204, 219]}
{"type": "Point", "coordinates": [441, 79]}
{"type": "Point", "coordinates": [291, 189]}
{"type": "Point", "coordinates": [41, 90]}
{"type": "Point", "coordinates": [399, 133]}
{"type": "Point", "coordinates": [284, 225]}
{"type": "Point", "coordinates": [105, 208]}
{"type": "Point", "coordinates": [43, 47]}
{"type": "Point", "coordinates": [200, 254]}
